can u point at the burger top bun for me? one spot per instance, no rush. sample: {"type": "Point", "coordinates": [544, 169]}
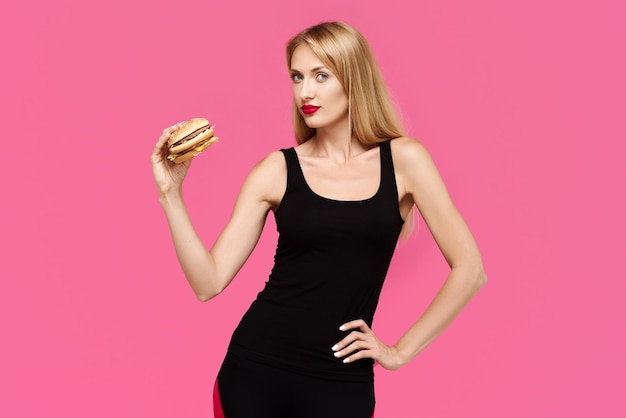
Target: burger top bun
{"type": "Point", "coordinates": [187, 128]}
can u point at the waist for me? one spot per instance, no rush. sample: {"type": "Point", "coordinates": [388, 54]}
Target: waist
{"type": "Point", "coordinates": [296, 340]}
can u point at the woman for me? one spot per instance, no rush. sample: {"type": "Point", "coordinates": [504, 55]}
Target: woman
{"type": "Point", "coordinates": [305, 347]}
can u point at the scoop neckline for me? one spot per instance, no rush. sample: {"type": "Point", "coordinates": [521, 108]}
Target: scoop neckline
{"type": "Point", "coordinates": [314, 193]}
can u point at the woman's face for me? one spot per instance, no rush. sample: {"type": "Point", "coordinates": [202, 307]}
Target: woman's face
{"type": "Point", "coordinates": [317, 92]}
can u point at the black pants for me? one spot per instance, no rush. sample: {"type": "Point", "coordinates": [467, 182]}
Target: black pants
{"type": "Point", "coordinates": [246, 389]}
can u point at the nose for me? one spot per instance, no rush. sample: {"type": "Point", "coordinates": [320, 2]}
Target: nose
{"type": "Point", "coordinates": [307, 90]}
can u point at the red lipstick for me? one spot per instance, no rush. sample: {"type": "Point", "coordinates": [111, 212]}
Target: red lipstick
{"type": "Point", "coordinates": [309, 109]}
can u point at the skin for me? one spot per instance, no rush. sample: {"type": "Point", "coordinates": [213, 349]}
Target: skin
{"type": "Point", "coordinates": [338, 167]}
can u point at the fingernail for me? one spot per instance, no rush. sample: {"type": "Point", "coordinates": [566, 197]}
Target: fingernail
{"type": "Point", "coordinates": [346, 360]}
{"type": "Point", "coordinates": [335, 347]}
{"type": "Point", "coordinates": [338, 354]}
{"type": "Point", "coordinates": [342, 328]}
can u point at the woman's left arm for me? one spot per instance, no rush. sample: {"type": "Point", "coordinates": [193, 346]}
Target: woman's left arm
{"type": "Point", "coordinates": [419, 181]}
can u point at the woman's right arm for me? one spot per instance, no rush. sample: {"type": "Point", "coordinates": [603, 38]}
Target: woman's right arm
{"type": "Point", "coordinates": [210, 271]}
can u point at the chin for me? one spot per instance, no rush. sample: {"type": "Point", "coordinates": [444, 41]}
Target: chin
{"type": "Point", "coordinates": [312, 124]}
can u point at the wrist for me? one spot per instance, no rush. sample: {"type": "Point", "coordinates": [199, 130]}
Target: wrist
{"type": "Point", "coordinates": [170, 195]}
{"type": "Point", "coordinates": [402, 357]}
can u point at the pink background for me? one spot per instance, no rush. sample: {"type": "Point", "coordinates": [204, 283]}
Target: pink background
{"type": "Point", "coordinates": [520, 103]}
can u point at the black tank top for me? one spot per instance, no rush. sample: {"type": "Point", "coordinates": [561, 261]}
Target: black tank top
{"type": "Point", "coordinates": [329, 268]}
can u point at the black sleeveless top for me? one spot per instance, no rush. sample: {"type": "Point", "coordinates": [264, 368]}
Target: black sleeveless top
{"type": "Point", "coordinates": [329, 268]}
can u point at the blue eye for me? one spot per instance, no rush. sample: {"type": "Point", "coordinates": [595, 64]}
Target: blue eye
{"type": "Point", "coordinates": [296, 77]}
{"type": "Point", "coordinates": [321, 77]}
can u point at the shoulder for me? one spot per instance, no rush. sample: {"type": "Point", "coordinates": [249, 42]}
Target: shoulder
{"type": "Point", "coordinates": [408, 153]}
{"type": "Point", "coordinates": [267, 178]}
{"type": "Point", "coordinates": [415, 170]}
{"type": "Point", "coordinates": [272, 163]}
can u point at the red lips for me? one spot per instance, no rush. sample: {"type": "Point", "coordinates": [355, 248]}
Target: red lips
{"type": "Point", "coordinates": [309, 109]}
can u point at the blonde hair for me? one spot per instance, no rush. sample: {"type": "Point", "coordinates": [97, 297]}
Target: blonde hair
{"type": "Point", "coordinates": [347, 54]}
{"type": "Point", "coordinates": [373, 118]}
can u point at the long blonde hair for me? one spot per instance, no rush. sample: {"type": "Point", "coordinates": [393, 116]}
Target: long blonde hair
{"type": "Point", "coordinates": [373, 118]}
{"type": "Point", "coordinates": [347, 54]}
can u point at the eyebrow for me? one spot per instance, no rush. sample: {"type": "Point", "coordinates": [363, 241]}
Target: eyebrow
{"type": "Point", "coordinates": [293, 70]}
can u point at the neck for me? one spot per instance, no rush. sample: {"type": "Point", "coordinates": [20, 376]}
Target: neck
{"type": "Point", "coordinates": [336, 143]}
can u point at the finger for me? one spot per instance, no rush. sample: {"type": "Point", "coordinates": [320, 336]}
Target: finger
{"type": "Point", "coordinates": [158, 147]}
{"type": "Point", "coordinates": [161, 141]}
{"type": "Point", "coordinates": [348, 339]}
{"type": "Point", "coordinates": [167, 132]}
{"type": "Point", "coordinates": [160, 151]}
{"type": "Point", "coordinates": [357, 323]}
{"type": "Point", "coordinates": [358, 356]}
{"type": "Point", "coordinates": [173, 127]}
{"type": "Point", "coordinates": [187, 163]}
{"type": "Point", "coordinates": [353, 348]}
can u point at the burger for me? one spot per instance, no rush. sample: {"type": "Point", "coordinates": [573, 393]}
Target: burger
{"type": "Point", "coordinates": [190, 139]}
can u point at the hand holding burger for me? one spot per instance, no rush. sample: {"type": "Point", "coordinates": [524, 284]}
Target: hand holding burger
{"type": "Point", "coordinates": [179, 144]}
{"type": "Point", "coordinates": [190, 139]}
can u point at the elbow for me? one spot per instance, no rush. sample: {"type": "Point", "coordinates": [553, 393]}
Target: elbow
{"type": "Point", "coordinates": [206, 288]}
{"type": "Point", "coordinates": [204, 297]}
{"type": "Point", "coordinates": [207, 295]}
{"type": "Point", "coordinates": [480, 278]}
{"type": "Point", "coordinates": [473, 276]}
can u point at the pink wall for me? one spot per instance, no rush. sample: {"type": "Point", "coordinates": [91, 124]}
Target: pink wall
{"type": "Point", "coordinates": [520, 103]}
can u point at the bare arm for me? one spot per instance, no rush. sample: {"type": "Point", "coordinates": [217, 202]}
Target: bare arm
{"type": "Point", "coordinates": [210, 271]}
{"type": "Point", "coordinates": [420, 182]}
